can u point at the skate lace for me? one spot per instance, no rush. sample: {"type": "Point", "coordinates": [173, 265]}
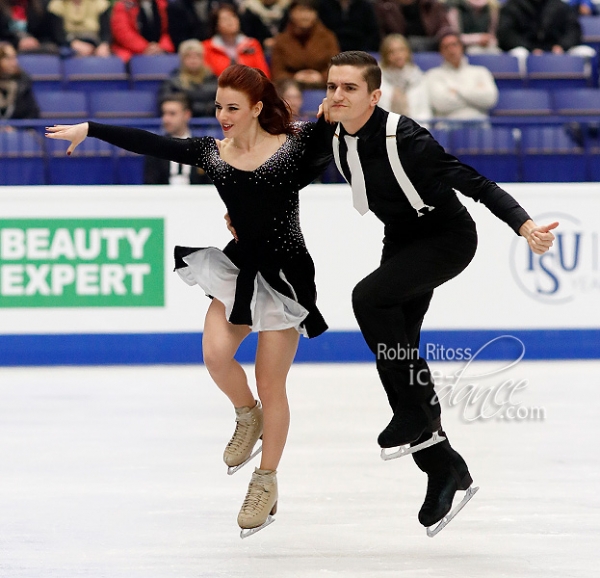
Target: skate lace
{"type": "Point", "coordinates": [256, 498]}
{"type": "Point", "coordinates": [242, 429]}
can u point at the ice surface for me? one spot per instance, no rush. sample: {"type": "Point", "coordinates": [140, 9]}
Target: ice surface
{"type": "Point", "coordinates": [117, 473]}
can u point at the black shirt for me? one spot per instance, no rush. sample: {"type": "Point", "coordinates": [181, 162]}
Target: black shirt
{"type": "Point", "coordinates": [433, 172]}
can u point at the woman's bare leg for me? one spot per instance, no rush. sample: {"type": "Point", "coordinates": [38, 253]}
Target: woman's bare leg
{"type": "Point", "coordinates": [274, 357]}
{"type": "Point", "coordinates": [220, 341]}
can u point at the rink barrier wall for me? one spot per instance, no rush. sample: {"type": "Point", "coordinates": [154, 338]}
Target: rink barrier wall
{"type": "Point", "coordinates": [86, 277]}
{"type": "Point", "coordinates": [331, 347]}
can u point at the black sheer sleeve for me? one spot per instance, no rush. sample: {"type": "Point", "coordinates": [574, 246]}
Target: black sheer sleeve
{"type": "Point", "coordinates": [191, 151]}
{"type": "Point", "coordinates": [318, 152]}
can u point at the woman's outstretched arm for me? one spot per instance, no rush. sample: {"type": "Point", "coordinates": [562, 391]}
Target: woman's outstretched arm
{"type": "Point", "coordinates": [131, 139]}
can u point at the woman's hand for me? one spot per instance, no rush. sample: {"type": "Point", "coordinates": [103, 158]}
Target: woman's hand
{"type": "Point", "coordinates": [540, 239]}
{"type": "Point", "coordinates": [75, 133]}
{"type": "Point", "coordinates": [324, 110]}
{"type": "Point", "coordinates": [230, 227]}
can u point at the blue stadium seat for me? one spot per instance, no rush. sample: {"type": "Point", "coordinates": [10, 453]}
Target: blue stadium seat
{"type": "Point", "coordinates": [442, 136]}
{"type": "Point", "coordinates": [522, 102]}
{"type": "Point", "coordinates": [593, 151]}
{"type": "Point", "coordinates": [45, 71]}
{"type": "Point", "coordinates": [311, 99]}
{"type": "Point", "coordinates": [577, 101]}
{"type": "Point", "coordinates": [427, 60]}
{"type": "Point", "coordinates": [551, 155]}
{"type": "Point", "coordinates": [62, 104]}
{"type": "Point", "coordinates": [493, 151]}
{"type": "Point", "coordinates": [21, 158]}
{"type": "Point", "coordinates": [149, 72]}
{"type": "Point", "coordinates": [130, 168]}
{"type": "Point", "coordinates": [590, 28]}
{"type": "Point", "coordinates": [92, 163]}
{"type": "Point", "coordinates": [558, 71]}
{"type": "Point", "coordinates": [504, 68]}
{"type": "Point", "coordinates": [123, 104]}
{"type": "Point", "coordinates": [93, 73]}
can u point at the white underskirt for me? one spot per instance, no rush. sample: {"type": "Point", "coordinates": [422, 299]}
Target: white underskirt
{"type": "Point", "coordinates": [214, 272]}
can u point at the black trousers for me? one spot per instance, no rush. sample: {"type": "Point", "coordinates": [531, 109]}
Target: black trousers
{"type": "Point", "coordinates": [390, 305]}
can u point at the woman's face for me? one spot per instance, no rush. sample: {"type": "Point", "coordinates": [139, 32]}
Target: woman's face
{"type": "Point", "coordinates": [228, 23]}
{"type": "Point", "coordinates": [192, 61]}
{"type": "Point", "coordinates": [303, 17]}
{"type": "Point", "coordinates": [9, 63]}
{"type": "Point", "coordinates": [235, 113]}
{"type": "Point", "coordinates": [398, 54]}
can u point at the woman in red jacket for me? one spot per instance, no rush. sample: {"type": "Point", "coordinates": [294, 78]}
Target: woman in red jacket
{"type": "Point", "coordinates": [229, 46]}
{"type": "Point", "coordinates": [140, 28]}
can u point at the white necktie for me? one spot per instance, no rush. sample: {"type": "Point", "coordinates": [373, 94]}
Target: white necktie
{"type": "Point", "coordinates": [357, 179]}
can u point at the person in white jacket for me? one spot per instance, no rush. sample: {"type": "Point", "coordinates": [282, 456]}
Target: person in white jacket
{"type": "Point", "coordinates": [457, 89]}
{"type": "Point", "coordinates": [403, 88]}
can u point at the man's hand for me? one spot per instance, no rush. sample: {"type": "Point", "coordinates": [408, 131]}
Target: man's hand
{"type": "Point", "coordinates": [540, 239]}
{"type": "Point", "coordinates": [230, 227]}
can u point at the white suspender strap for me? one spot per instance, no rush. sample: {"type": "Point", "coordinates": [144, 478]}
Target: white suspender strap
{"type": "Point", "coordinates": [394, 158]}
{"type": "Point", "coordinates": [336, 150]}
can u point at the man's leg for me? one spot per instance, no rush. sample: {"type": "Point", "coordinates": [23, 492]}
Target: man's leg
{"type": "Point", "coordinates": [389, 305]}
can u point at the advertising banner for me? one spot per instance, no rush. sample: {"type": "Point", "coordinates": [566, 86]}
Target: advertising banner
{"type": "Point", "coordinates": [82, 263]}
{"type": "Point", "coordinates": [86, 275]}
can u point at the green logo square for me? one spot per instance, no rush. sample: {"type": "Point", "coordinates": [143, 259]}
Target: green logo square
{"type": "Point", "coordinates": [82, 263]}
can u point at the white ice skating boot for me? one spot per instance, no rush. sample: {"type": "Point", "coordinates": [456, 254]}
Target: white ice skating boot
{"type": "Point", "coordinates": [260, 503]}
{"type": "Point", "coordinates": [248, 429]}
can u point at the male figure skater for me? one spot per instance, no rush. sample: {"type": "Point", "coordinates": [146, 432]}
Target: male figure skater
{"type": "Point", "coordinates": [398, 171]}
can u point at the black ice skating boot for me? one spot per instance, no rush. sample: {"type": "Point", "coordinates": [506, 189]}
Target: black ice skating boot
{"type": "Point", "coordinates": [442, 485]}
{"type": "Point", "coordinates": [409, 424]}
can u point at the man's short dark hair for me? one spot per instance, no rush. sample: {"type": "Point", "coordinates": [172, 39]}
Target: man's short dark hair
{"type": "Point", "coordinates": [360, 59]}
{"type": "Point", "coordinates": [180, 97]}
{"type": "Point", "coordinates": [444, 33]}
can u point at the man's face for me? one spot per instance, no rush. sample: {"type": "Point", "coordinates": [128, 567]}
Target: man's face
{"type": "Point", "coordinates": [451, 49]}
{"type": "Point", "coordinates": [175, 118]}
{"type": "Point", "coordinates": [348, 97]}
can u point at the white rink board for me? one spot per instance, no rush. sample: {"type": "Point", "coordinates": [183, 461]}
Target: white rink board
{"type": "Point", "coordinates": [496, 291]}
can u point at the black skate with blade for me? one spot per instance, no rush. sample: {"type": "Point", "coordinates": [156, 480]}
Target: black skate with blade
{"type": "Point", "coordinates": [406, 427]}
{"type": "Point", "coordinates": [441, 488]}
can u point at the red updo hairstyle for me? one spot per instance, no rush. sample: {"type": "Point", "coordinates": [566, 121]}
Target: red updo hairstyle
{"type": "Point", "coordinates": [276, 115]}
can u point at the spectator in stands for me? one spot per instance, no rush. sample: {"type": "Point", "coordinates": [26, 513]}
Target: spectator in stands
{"type": "Point", "coordinates": [303, 50]}
{"type": "Point", "coordinates": [538, 26]}
{"type": "Point", "coordinates": [420, 21]}
{"type": "Point", "coordinates": [457, 89]}
{"type": "Point", "coordinates": [16, 94]}
{"type": "Point", "coordinates": [175, 118]}
{"type": "Point", "coordinates": [584, 7]}
{"type": "Point", "coordinates": [140, 27]}
{"type": "Point", "coordinates": [83, 25]}
{"type": "Point", "coordinates": [353, 22]}
{"type": "Point", "coordinates": [403, 88]}
{"type": "Point", "coordinates": [7, 32]}
{"type": "Point", "coordinates": [477, 22]}
{"type": "Point", "coordinates": [28, 26]}
{"type": "Point", "coordinates": [229, 46]}
{"type": "Point", "coordinates": [290, 91]}
{"type": "Point", "coordinates": [191, 19]}
{"type": "Point", "coordinates": [193, 78]}
{"type": "Point", "coordinates": [263, 19]}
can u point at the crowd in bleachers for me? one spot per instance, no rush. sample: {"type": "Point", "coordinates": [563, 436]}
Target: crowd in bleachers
{"type": "Point", "coordinates": [508, 64]}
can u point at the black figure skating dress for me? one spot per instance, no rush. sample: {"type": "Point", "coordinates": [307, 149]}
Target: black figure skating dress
{"type": "Point", "coordinates": [266, 278]}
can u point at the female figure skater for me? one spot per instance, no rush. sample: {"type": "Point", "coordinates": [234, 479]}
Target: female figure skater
{"type": "Point", "coordinates": [264, 279]}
